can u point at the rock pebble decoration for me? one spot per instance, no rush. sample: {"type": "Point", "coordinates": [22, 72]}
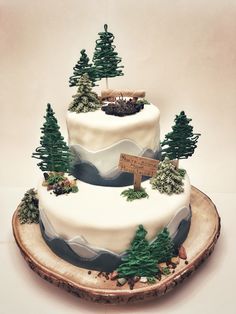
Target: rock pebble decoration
{"type": "Point", "coordinates": [143, 279]}
{"type": "Point", "coordinates": [182, 253]}
{"type": "Point", "coordinates": [121, 281]}
{"type": "Point", "coordinates": [175, 260]}
{"type": "Point", "coordinates": [114, 275]}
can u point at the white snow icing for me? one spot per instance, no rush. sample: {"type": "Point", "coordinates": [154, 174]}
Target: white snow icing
{"type": "Point", "coordinates": [106, 220]}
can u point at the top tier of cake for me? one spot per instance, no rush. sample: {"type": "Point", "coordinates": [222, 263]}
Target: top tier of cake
{"type": "Point", "coordinates": [98, 140]}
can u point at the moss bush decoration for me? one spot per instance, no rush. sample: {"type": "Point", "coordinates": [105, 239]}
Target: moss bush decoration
{"type": "Point", "coordinates": [59, 183]}
{"type": "Point", "coordinates": [168, 179]}
{"type": "Point", "coordinates": [132, 195]}
{"type": "Point", "coordinates": [53, 152]}
{"type": "Point", "coordinates": [143, 257]}
{"type": "Point", "coordinates": [28, 209]}
{"type": "Point", "coordinates": [85, 100]}
{"type": "Point", "coordinates": [181, 142]}
{"type": "Point", "coordinates": [142, 101]}
{"type": "Point", "coordinates": [82, 66]}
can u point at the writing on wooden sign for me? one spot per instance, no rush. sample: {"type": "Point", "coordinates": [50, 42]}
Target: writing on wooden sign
{"type": "Point", "coordinates": [139, 166]}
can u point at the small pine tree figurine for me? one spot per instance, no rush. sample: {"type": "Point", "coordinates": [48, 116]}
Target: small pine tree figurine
{"type": "Point", "coordinates": [28, 208]}
{"type": "Point", "coordinates": [81, 67]}
{"type": "Point", "coordinates": [181, 142]}
{"type": "Point", "coordinates": [85, 100]}
{"type": "Point", "coordinates": [168, 179]}
{"type": "Point", "coordinates": [162, 248]}
{"type": "Point", "coordinates": [105, 59]}
{"type": "Point", "coordinates": [53, 152]}
{"type": "Point", "coordinates": [138, 261]}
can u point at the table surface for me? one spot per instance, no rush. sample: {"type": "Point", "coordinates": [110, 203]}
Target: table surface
{"type": "Point", "coordinates": [209, 290]}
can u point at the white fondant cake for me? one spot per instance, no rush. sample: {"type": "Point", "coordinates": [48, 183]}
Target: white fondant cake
{"type": "Point", "coordinates": [98, 139]}
{"type": "Point", "coordinates": [96, 131]}
{"type": "Point", "coordinates": [93, 228]}
{"type": "Point", "coordinates": [104, 219]}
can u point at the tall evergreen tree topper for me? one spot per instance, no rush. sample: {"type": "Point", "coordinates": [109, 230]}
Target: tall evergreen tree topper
{"type": "Point", "coordinates": [53, 152]}
{"type": "Point", "coordinates": [181, 142]}
{"type": "Point", "coordinates": [105, 59]}
{"type": "Point", "coordinates": [85, 100]}
{"type": "Point", "coordinates": [168, 179]}
{"type": "Point", "coordinates": [81, 67]}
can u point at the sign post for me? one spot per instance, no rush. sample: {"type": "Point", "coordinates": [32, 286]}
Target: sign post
{"type": "Point", "coordinates": [139, 166]}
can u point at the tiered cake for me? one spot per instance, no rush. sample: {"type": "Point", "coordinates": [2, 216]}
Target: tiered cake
{"type": "Point", "coordinates": [97, 219]}
{"type": "Point", "coordinates": [96, 225]}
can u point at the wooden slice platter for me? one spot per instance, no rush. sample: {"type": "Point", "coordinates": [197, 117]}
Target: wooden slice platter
{"type": "Point", "coordinates": [203, 235]}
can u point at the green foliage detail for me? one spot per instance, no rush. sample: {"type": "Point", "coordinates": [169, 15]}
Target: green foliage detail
{"type": "Point", "coordinates": [142, 101]}
{"type": "Point", "coordinates": [168, 179]}
{"type": "Point", "coordinates": [132, 195]}
{"type": "Point", "coordinates": [181, 172]}
{"type": "Point", "coordinates": [74, 189]}
{"type": "Point", "coordinates": [162, 248]}
{"type": "Point", "coordinates": [143, 257]}
{"type": "Point", "coordinates": [181, 142]}
{"type": "Point", "coordinates": [105, 59]}
{"type": "Point", "coordinates": [54, 178]}
{"type": "Point", "coordinates": [53, 152]}
{"type": "Point", "coordinates": [85, 100]}
{"type": "Point", "coordinates": [165, 271]}
{"type": "Point", "coordinates": [28, 209]}
{"type": "Point", "coordinates": [82, 66]}
{"type": "Point", "coordinates": [151, 280]}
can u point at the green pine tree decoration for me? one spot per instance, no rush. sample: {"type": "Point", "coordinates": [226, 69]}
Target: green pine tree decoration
{"type": "Point", "coordinates": [28, 209]}
{"type": "Point", "coordinates": [81, 67]}
{"type": "Point", "coordinates": [105, 58]}
{"type": "Point", "coordinates": [181, 142]}
{"type": "Point", "coordinates": [85, 100]}
{"type": "Point", "coordinates": [53, 152]}
{"type": "Point", "coordinates": [162, 248]}
{"type": "Point", "coordinates": [138, 261]}
{"type": "Point", "coordinates": [168, 179]}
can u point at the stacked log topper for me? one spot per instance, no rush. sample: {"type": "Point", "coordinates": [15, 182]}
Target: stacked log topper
{"type": "Point", "coordinates": [140, 166]}
{"type": "Point", "coordinates": [113, 93]}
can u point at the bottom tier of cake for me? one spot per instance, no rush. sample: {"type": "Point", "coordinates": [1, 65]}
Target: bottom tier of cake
{"type": "Point", "coordinates": [94, 227]}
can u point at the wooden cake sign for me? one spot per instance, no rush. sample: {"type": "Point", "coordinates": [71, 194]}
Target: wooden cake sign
{"type": "Point", "coordinates": [139, 166]}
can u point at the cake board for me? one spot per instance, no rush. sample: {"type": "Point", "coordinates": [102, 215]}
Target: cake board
{"type": "Point", "coordinates": [203, 234]}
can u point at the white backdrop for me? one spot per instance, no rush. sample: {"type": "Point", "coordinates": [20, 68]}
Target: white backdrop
{"type": "Point", "coordinates": [183, 53]}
